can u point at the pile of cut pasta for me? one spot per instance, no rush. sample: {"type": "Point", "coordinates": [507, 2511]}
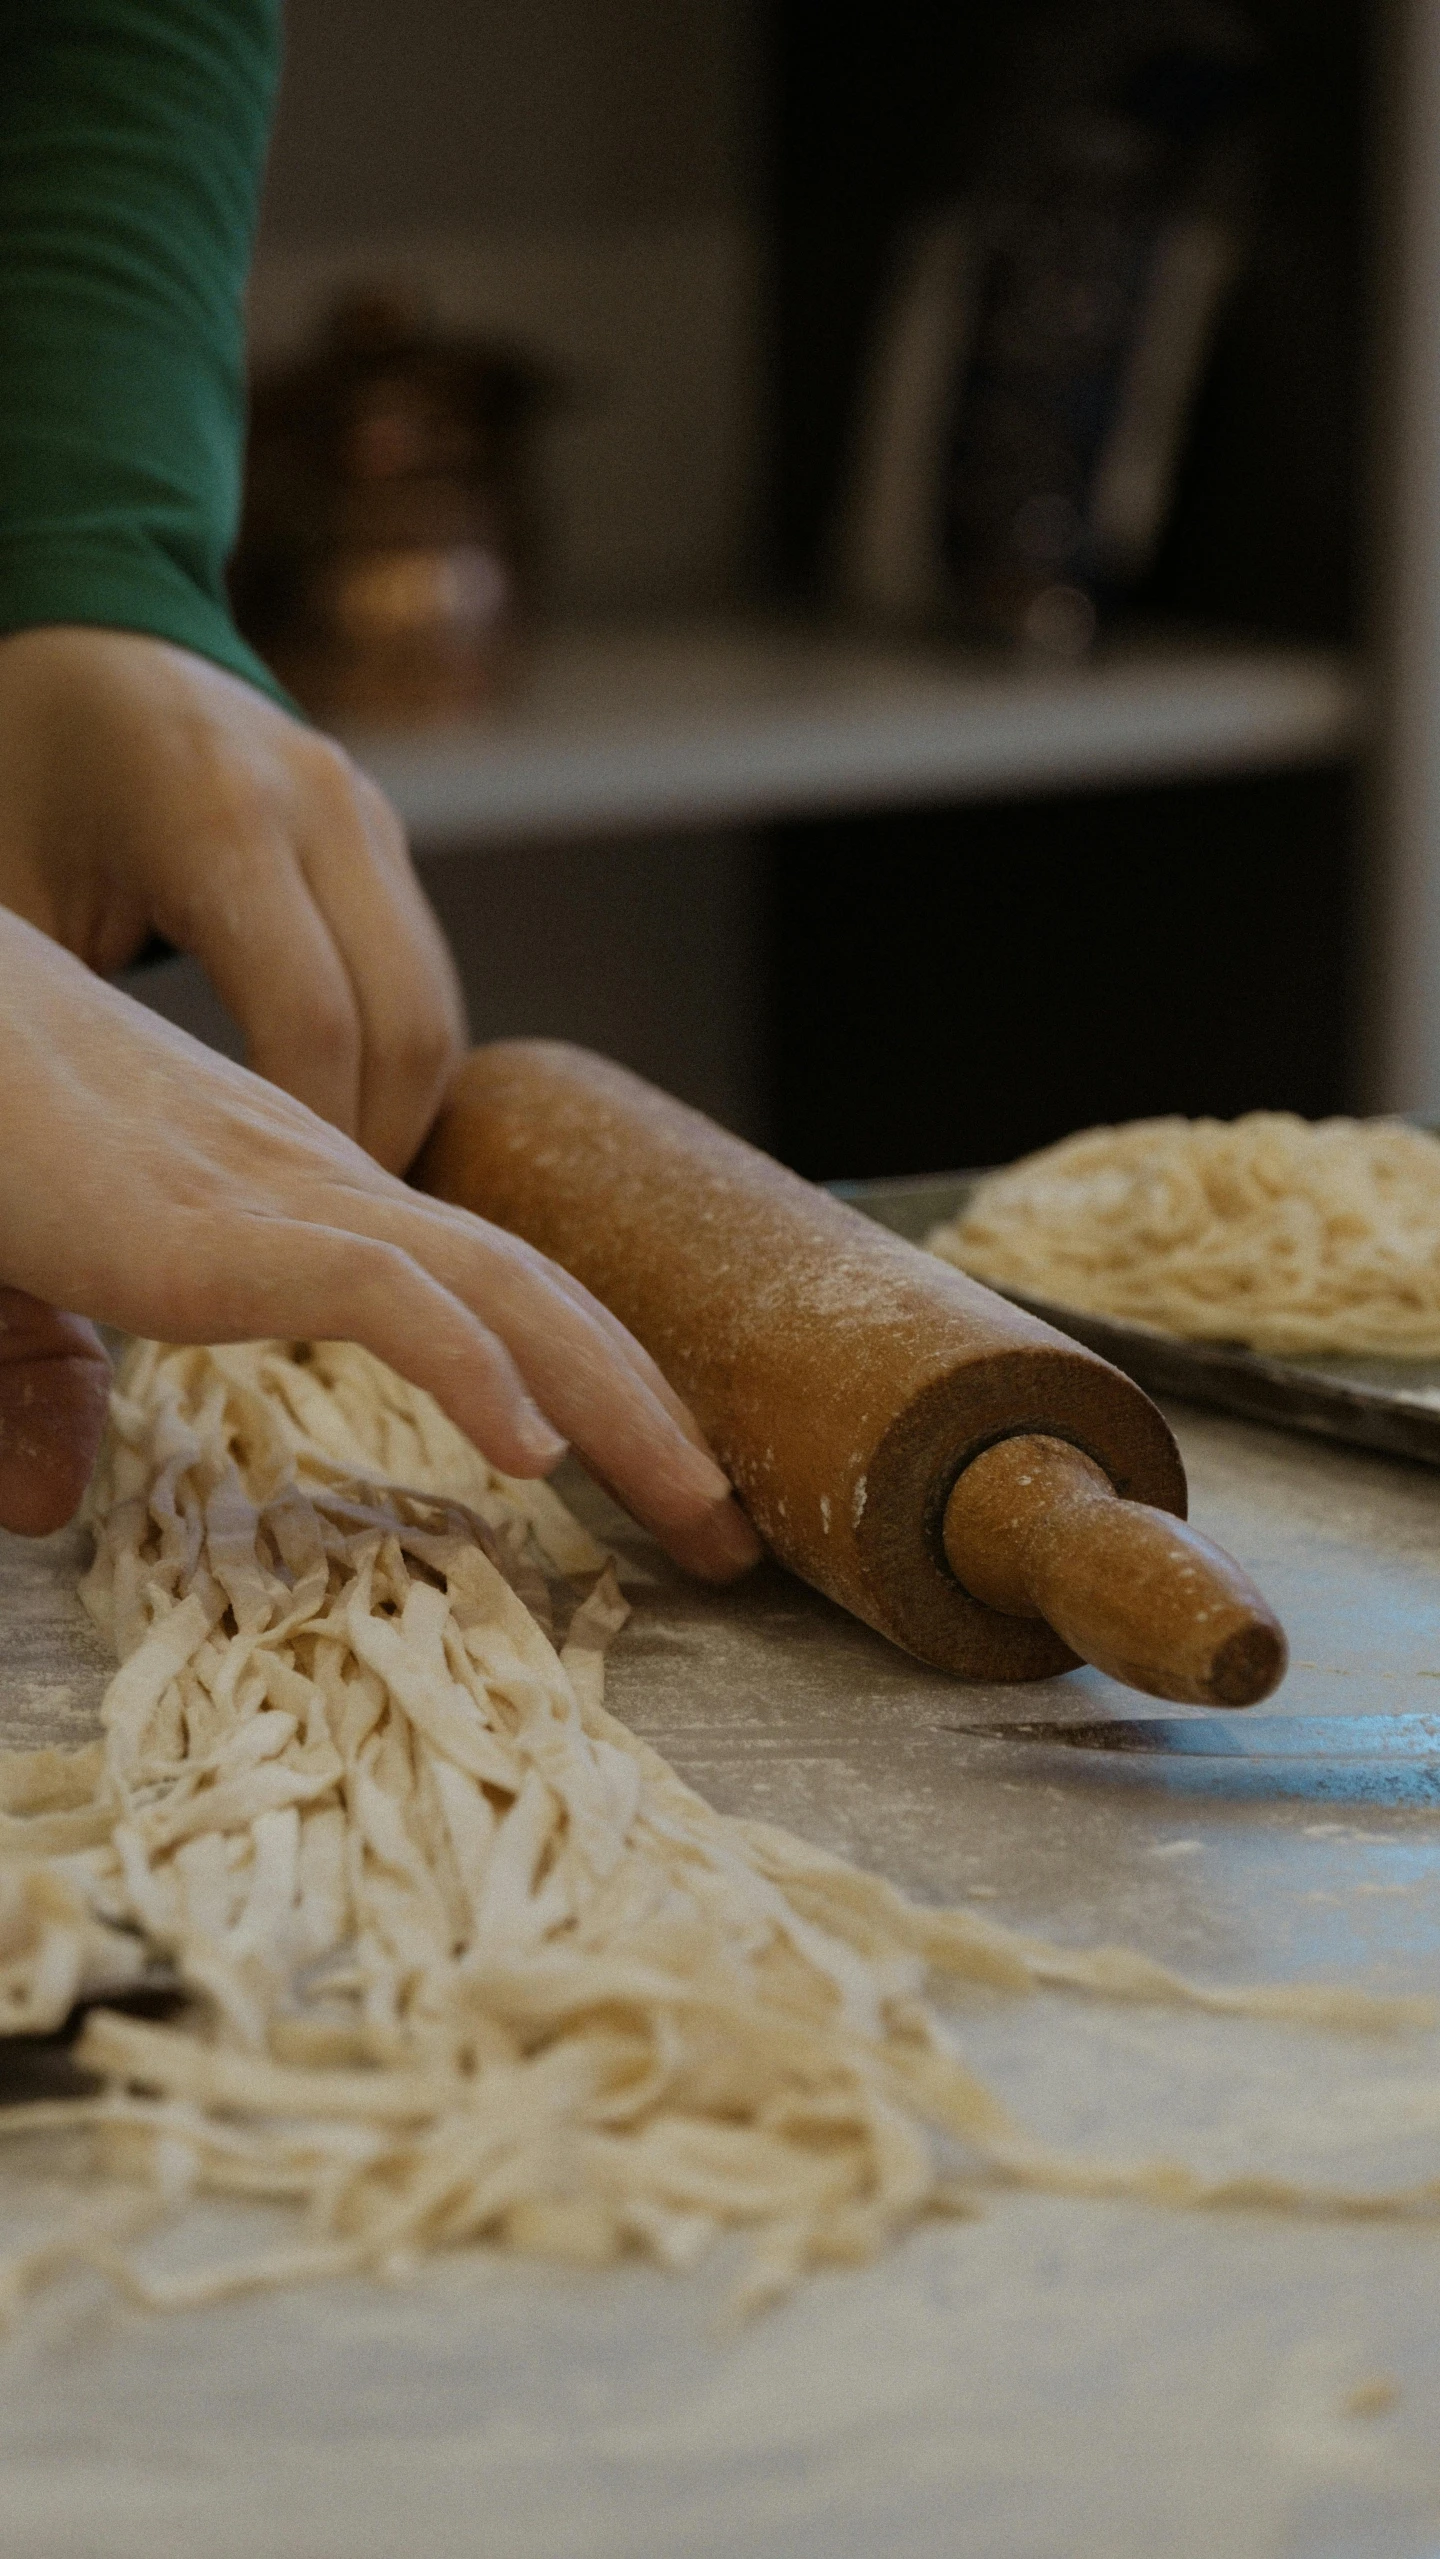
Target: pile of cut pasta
{"type": "Point", "coordinates": [1289, 1235]}
{"type": "Point", "coordinates": [466, 1962]}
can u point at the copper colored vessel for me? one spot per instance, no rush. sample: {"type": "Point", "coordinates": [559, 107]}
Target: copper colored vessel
{"type": "Point", "coordinates": [388, 541]}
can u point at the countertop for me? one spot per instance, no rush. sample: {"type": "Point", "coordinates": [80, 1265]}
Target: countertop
{"type": "Point", "coordinates": [1056, 2380]}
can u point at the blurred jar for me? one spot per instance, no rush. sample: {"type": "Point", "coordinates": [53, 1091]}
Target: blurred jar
{"type": "Point", "coordinates": [388, 543]}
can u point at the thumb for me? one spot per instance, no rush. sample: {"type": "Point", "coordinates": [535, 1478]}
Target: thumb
{"type": "Point", "coordinates": [54, 1391]}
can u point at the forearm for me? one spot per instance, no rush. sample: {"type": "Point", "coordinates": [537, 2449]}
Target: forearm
{"type": "Point", "coordinates": [132, 139]}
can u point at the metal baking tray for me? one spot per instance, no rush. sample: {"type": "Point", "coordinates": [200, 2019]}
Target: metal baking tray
{"type": "Point", "coordinates": [1388, 1404]}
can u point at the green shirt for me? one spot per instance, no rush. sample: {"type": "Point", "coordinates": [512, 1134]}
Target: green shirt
{"type": "Point", "coordinates": [132, 139]}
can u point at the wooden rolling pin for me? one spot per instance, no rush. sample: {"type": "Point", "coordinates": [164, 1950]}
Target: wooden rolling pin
{"type": "Point", "coordinates": [987, 1493]}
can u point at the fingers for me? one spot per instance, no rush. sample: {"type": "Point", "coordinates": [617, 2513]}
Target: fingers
{"type": "Point", "coordinates": [586, 1372]}
{"type": "Point", "coordinates": [594, 1382]}
{"type": "Point", "coordinates": [147, 789]}
{"type": "Point", "coordinates": [718, 1545]}
{"type": "Point", "coordinates": [168, 1191]}
{"type": "Point", "coordinates": [403, 983]}
{"type": "Point", "coordinates": [510, 1347]}
{"type": "Point", "coordinates": [268, 952]}
{"type": "Point", "coordinates": [54, 1394]}
{"type": "Point", "coordinates": [325, 1283]}
{"type": "Point", "coordinates": [497, 1336]}
{"type": "Point", "coordinates": [634, 1446]}
{"type": "Point", "coordinates": [624, 1343]}
{"type": "Point", "coordinates": [640, 1359]}
{"type": "Point", "coordinates": [315, 932]}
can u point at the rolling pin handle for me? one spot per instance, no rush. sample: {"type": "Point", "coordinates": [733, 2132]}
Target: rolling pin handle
{"type": "Point", "coordinates": [1035, 1529]}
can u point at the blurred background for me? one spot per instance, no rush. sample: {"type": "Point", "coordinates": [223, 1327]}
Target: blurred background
{"type": "Point", "coordinates": [889, 559]}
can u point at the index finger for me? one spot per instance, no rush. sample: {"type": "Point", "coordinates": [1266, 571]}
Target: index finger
{"type": "Point", "coordinates": [589, 1376]}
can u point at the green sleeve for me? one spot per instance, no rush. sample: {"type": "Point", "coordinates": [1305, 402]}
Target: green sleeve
{"type": "Point", "coordinates": [132, 140]}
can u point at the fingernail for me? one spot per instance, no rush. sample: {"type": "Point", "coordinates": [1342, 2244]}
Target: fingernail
{"type": "Point", "coordinates": [707, 1478]}
{"type": "Point", "coordinates": [541, 1442]}
{"type": "Point", "coordinates": [738, 1542]}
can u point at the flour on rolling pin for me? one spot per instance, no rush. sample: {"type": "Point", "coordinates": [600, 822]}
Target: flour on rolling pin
{"type": "Point", "coordinates": [847, 1381]}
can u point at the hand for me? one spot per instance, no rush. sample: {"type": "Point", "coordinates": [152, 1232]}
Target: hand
{"type": "Point", "coordinates": [150, 1184]}
{"type": "Point", "coordinates": [147, 791]}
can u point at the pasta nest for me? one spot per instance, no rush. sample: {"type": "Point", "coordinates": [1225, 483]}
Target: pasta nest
{"type": "Point", "coordinates": [1287, 1235]}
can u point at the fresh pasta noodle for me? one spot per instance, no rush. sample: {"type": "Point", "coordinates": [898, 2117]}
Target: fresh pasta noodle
{"type": "Point", "coordinates": [467, 1961]}
{"type": "Point", "coordinates": [1289, 1235]}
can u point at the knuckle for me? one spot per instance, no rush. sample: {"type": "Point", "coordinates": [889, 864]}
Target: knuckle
{"type": "Point", "coordinates": [380, 1276]}
{"type": "Point", "coordinates": [332, 785]}
{"type": "Point", "coordinates": [333, 782]}
{"type": "Point", "coordinates": [326, 767]}
{"type": "Point", "coordinates": [377, 1257]}
{"type": "Point", "coordinates": [381, 815]}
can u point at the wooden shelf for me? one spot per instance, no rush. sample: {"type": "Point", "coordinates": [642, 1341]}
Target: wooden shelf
{"type": "Point", "coordinates": [644, 729]}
